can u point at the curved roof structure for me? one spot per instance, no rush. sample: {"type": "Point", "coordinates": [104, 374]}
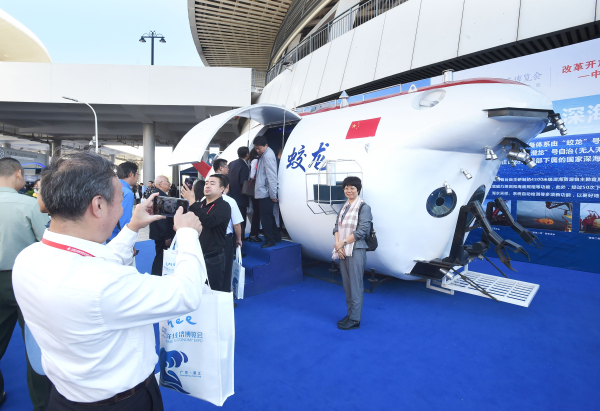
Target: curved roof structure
{"type": "Point", "coordinates": [236, 33]}
{"type": "Point", "coordinates": [18, 43]}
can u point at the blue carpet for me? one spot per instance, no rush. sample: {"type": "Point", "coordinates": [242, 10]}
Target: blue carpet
{"type": "Point", "coordinates": [416, 349]}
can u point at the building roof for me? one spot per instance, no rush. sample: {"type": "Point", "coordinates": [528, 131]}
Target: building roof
{"type": "Point", "coordinates": [236, 33]}
{"type": "Point", "coordinates": [18, 43]}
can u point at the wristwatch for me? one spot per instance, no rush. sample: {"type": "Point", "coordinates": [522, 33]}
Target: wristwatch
{"type": "Point", "coordinates": [345, 243]}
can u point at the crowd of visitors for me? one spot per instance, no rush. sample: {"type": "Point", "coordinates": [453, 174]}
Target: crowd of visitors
{"type": "Point", "coordinates": [81, 321]}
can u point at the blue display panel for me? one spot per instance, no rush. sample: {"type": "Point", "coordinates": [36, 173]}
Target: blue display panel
{"type": "Point", "coordinates": [558, 200]}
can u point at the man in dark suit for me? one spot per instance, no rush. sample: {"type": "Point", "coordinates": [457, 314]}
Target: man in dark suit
{"type": "Point", "coordinates": [161, 231]}
{"type": "Point", "coordinates": [238, 173]}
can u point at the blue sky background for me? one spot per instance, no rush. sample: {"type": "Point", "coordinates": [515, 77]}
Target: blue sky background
{"type": "Point", "coordinates": [107, 31]}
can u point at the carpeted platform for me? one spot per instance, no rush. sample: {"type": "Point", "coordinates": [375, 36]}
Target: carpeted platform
{"type": "Point", "coordinates": [269, 269]}
{"type": "Point", "coordinates": [416, 349]}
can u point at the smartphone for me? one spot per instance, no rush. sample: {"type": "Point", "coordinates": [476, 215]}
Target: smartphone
{"type": "Point", "coordinates": [189, 182]}
{"type": "Point", "coordinates": [167, 206]}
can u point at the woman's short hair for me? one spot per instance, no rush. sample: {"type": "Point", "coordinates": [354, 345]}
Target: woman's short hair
{"type": "Point", "coordinates": [253, 154]}
{"type": "Point", "coordinates": [352, 181]}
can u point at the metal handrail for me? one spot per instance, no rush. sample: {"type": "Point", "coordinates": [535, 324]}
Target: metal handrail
{"type": "Point", "coordinates": [258, 78]}
{"type": "Point", "coordinates": [349, 20]}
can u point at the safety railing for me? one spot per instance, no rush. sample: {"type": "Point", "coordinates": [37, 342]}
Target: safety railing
{"type": "Point", "coordinates": [349, 20]}
{"type": "Point", "coordinates": [258, 78]}
{"type": "Point", "coordinates": [298, 11]}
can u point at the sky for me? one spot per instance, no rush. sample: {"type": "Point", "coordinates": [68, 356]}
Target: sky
{"type": "Point", "coordinates": [108, 31]}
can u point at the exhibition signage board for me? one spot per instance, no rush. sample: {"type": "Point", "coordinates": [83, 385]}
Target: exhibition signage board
{"type": "Point", "coordinates": [24, 157]}
{"type": "Point", "coordinates": [559, 199]}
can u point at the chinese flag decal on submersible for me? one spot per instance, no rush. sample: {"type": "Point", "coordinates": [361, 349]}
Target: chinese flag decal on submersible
{"type": "Point", "coordinates": [363, 128]}
{"type": "Point", "coordinates": [202, 167]}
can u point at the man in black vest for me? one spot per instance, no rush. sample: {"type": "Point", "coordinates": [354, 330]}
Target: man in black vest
{"type": "Point", "coordinates": [214, 214]}
{"type": "Point", "coordinates": [238, 173]}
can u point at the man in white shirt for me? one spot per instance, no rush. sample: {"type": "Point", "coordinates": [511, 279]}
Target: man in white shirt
{"type": "Point", "coordinates": [90, 313]}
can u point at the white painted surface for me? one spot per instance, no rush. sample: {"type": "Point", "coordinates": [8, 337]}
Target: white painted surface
{"type": "Point", "coordinates": [286, 84]}
{"type": "Point", "coordinates": [265, 96]}
{"type": "Point", "coordinates": [547, 16]}
{"type": "Point", "coordinates": [25, 82]}
{"type": "Point", "coordinates": [487, 24]}
{"type": "Point", "coordinates": [398, 39]}
{"type": "Point", "coordinates": [18, 43]}
{"type": "Point", "coordinates": [438, 32]}
{"type": "Point", "coordinates": [450, 135]}
{"type": "Point", "coordinates": [193, 145]}
{"type": "Point", "coordinates": [422, 32]}
{"type": "Point", "coordinates": [301, 70]}
{"type": "Point", "coordinates": [315, 74]}
{"type": "Point", "coordinates": [362, 60]}
{"type": "Point", "coordinates": [336, 64]}
{"type": "Point", "coordinates": [113, 84]}
{"type": "Point", "coordinates": [275, 88]}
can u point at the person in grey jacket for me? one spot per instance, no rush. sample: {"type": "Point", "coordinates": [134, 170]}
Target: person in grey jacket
{"type": "Point", "coordinates": [265, 190]}
{"type": "Point", "coordinates": [352, 226]}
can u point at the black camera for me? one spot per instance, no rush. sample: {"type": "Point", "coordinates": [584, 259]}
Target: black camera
{"type": "Point", "coordinates": [189, 182]}
{"type": "Point", "coordinates": [167, 206]}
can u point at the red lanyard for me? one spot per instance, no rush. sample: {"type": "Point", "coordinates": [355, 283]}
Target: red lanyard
{"type": "Point", "coordinates": [66, 248]}
{"type": "Point", "coordinates": [201, 206]}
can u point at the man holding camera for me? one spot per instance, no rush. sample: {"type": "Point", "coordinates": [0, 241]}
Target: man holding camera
{"type": "Point", "coordinates": [214, 214]}
{"type": "Point", "coordinates": [90, 313]}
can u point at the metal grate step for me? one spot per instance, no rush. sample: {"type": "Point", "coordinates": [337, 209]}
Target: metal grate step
{"type": "Point", "coordinates": [503, 289]}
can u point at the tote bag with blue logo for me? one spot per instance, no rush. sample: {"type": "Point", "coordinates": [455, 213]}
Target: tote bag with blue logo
{"type": "Point", "coordinates": [169, 258]}
{"type": "Point", "coordinates": [196, 350]}
{"type": "Point", "coordinates": [238, 275]}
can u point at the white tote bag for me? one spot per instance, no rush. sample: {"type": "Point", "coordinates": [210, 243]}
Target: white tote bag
{"type": "Point", "coordinates": [169, 257]}
{"type": "Point", "coordinates": [238, 275]}
{"type": "Point", "coordinates": [196, 350]}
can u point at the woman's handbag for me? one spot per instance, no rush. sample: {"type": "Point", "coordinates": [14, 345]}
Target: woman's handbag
{"type": "Point", "coordinates": [248, 187]}
{"type": "Point", "coordinates": [371, 238]}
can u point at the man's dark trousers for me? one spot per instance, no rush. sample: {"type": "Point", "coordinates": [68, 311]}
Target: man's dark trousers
{"type": "Point", "coordinates": [39, 385]}
{"type": "Point", "coordinates": [255, 223]}
{"type": "Point", "coordinates": [229, 250]}
{"type": "Point", "coordinates": [157, 264]}
{"type": "Point", "coordinates": [147, 399]}
{"type": "Point", "coordinates": [267, 219]}
{"type": "Point", "coordinates": [215, 268]}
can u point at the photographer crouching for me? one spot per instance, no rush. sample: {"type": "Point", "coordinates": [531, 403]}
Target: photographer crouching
{"type": "Point", "coordinates": [90, 312]}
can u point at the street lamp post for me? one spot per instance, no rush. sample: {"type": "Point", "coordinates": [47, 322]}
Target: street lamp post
{"type": "Point", "coordinates": [95, 118]}
{"type": "Point", "coordinates": [152, 35]}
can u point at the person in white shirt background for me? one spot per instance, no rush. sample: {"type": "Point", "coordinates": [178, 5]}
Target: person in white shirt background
{"type": "Point", "coordinates": [90, 313]}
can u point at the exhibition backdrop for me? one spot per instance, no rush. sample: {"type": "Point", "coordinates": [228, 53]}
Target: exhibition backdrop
{"type": "Point", "coordinates": [559, 199]}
